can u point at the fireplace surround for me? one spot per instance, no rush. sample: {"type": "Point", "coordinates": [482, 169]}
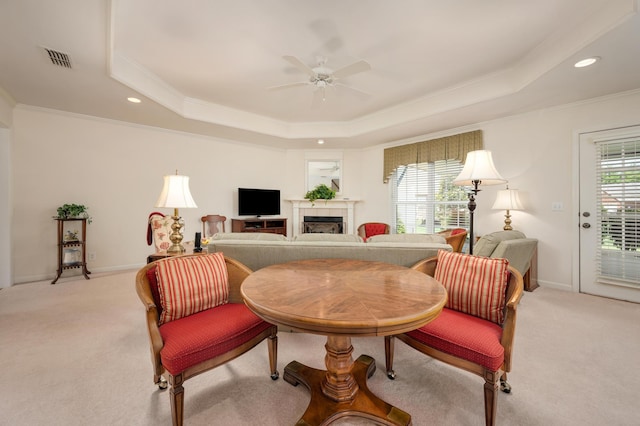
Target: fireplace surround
{"type": "Point", "coordinates": [323, 225]}
{"type": "Point", "coordinates": [335, 207]}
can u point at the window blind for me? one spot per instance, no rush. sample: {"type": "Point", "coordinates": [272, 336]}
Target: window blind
{"type": "Point", "coordinates": [618, 213]}
{"type": "Point", "coordinates": [425, 199]}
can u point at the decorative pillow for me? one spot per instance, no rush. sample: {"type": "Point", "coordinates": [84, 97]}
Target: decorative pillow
{"type": "Point", "coordinates": [188, 285]}
{"type": "Point", "coordinates": [407, 238]}
{"type": "Point", "coordinates": [475, 285]}
{"type": "Point", "coordinates": [161, 229]}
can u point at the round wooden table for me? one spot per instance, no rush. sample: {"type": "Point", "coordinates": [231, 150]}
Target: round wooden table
{"type": "Point", "coordinates": [342, 298]}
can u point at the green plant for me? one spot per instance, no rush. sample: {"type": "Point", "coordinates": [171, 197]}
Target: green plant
{"type": "Point", "coordinates": [67, 211]}
{"type": "Point", "coordinates": [320, 192]}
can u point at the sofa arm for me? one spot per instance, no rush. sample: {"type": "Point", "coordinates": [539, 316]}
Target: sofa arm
{"type": "Point", "coordinates": [518, 252]}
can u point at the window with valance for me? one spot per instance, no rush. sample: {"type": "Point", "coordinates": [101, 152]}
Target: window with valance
{"type": "Point", "coordinates": [453, 147]}
{"type": "Point", "coordinates": [424, 199]}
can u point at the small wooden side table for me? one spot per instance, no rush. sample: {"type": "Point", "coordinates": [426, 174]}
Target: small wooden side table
{"type": "Point", "coordinates": [530, 278]}
{"type": "Point", "coordinates": [77, 243]}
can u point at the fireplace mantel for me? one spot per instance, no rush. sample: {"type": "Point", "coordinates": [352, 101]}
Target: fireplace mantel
{"type": "Point", "coordinates": [346, 206]}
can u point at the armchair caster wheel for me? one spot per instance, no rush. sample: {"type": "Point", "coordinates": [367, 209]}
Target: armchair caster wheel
{"type": "Point", "coordinates": [162, 383]}
{"type": "Point", "coordinates": [504, 386]}
{"type": "Point", "coordinates": [275, 376]}
{"type": "Point", "coordinates": [391, 374]}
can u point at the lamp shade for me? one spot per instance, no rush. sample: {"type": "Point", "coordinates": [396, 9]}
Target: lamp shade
{"type": "Point", "coordinates": [175, 193]}
{"type": "Point", "coordinates": [479, 167]}
{"type": "Point", "coordinates": [507, 199]}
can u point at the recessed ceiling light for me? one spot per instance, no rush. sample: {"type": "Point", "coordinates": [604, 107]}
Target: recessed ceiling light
{"type": "Point", "coordinates": [320, 141]}
{"type": "Point", "coordinates": [586, 62]}
{"type": "Point", "coordinates": [134, 100]}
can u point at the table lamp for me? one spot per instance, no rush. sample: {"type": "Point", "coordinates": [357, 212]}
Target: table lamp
{"type": "Point", "coordinates": [478, 169]}
{"type": "Point", "coordinates": [507, 199]}
{"type": "Point", "coordinates": [176, 194]}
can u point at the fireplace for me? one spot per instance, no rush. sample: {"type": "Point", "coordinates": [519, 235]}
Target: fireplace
{"type": "Point", "coordinates": [336, 207]}
{"type": "Point", "coordinates": [323, 225]}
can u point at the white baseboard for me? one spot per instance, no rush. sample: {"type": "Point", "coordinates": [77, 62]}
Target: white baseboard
{"type": "Point", "coordinates": [44, 277]}
{"type": "Point", "coordinates": [555, 285]}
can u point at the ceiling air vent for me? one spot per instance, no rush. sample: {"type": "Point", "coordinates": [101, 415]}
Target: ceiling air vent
{"type": "Point", "coordinates": [59, 58]}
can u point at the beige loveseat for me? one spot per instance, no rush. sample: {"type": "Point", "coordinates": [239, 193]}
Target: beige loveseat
{"type": "Point", "coordinates": [257, 250]}
{"type": "Point", "coordinates": [520, 251]}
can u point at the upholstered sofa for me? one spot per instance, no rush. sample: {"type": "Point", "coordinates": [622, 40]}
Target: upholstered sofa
{"type": "Point", "coordinates": [257, 250]}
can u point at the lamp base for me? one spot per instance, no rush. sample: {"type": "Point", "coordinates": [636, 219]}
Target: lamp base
{"type": "Point", "coordinates": [507, 222]}
{"type": "Point", "coordinates": [176, 249]}
{"type": "Point", "coordinates": [176, 237]}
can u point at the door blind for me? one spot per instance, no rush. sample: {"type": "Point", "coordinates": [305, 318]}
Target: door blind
{"type": "Point", "coordinates": [618, 213]}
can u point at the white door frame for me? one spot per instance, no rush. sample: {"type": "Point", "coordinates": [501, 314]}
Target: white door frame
{"type": "Point", "coordinates": [575, 199]}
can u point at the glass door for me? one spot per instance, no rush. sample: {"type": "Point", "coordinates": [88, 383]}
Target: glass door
{"type": "Point", "coordinates": [610, 213]}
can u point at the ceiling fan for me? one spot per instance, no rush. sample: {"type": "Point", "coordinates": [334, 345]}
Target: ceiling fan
{"type": "Point", "coordinates": [322, 77]}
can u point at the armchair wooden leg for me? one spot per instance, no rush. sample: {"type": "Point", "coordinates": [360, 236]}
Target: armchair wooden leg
{"type": "Point", "coordinates": [272, 344]}
{"type": "Point", "coordinates": [491, 385]}
{"type": "Point", "coordinates": [176, 395]}
{"type": "Point", "coordinates": [389, 345]}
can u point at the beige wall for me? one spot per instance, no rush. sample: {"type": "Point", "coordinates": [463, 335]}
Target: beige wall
{"type": "Point", "coordinates": [116, 169]}
{"type": "Point", "coordinates": [5, 208]}
{"type": "Point", "coordinates": [6, 119]}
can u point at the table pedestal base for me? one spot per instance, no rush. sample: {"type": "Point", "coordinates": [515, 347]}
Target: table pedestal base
{"type": "Point", "coordinates": [323, 410]}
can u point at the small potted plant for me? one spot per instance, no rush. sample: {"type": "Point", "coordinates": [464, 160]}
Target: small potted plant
{"type": "Point", "coordinates": [71, 211]}
{"type": "Point", "coordinates": [320, 192]}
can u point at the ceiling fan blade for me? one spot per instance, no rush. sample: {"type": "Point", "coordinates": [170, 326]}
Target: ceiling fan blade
{"type": "Point", "coordinates": [289, 85]}
{"type": "Point", "coordinates": [354, 68]}
{"type": "Point", "coordinates": [358, 92]}
{"type": "Point", "coordinates": [300, 65]}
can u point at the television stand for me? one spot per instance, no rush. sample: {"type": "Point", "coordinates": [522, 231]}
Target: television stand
{"type": "Point", "coordinates": [273, 225]}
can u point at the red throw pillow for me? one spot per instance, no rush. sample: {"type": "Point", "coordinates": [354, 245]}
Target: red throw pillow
{"type": "Point", "coordinates": [188, 285]}
{"type": "Point", "coordinates": [476, 285]}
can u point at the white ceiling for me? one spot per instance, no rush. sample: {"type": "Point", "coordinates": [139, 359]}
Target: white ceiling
{"type": "Point", "coordinates": [205, 66]}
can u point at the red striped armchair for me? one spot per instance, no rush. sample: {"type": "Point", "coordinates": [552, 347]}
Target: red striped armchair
{"type": "Point", "coordinates": [189, 336]}
{"type": "Point", "coordinates": [474, 332]}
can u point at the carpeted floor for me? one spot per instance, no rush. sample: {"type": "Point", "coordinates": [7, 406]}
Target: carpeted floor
{"type": "Point", "coordinates": [76, 353]}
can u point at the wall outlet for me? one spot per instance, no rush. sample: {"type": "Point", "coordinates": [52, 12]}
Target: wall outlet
{"type": "Point", "coordinates": [92, 255]}
{"type": "Point", "coordinates": [557, 206]}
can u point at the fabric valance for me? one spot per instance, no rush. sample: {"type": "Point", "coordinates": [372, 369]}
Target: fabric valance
{"type": "Point", "coordinates": [453, 147]}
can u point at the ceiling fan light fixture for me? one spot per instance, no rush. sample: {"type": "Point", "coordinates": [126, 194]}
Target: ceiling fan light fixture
{"type": "Point", "coordinates": [586, 62]}
{"type": "Point", "coordinates": [322, 77]}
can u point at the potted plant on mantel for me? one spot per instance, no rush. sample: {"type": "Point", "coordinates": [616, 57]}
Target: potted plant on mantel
{"type": "Point", "coordinates": [71, 211]}
{"type": "Point", "coordinates": [320, 192]}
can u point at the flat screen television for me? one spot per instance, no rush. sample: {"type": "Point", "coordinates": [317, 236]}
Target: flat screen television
{"type": "Point", "coordinates": [258, 202]}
